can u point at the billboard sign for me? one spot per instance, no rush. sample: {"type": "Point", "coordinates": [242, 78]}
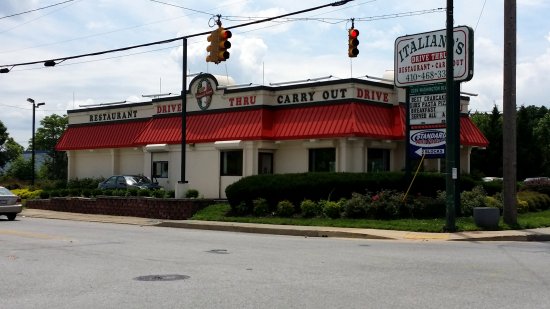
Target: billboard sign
{"type": "Point", "coordinates": [420, 59]}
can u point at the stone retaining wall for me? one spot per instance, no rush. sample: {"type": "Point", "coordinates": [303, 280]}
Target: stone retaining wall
{"type": "Point", "coordinates": [145, 207]}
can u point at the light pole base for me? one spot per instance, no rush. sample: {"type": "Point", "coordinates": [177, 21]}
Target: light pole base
{"type": "Point", "coordinates": [181, 188]}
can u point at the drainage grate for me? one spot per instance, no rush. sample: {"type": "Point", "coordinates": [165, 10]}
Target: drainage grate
{"type": "Point", "coordinates": [218, 251]}
{"type": "Point", "coordinates": [162, 278]}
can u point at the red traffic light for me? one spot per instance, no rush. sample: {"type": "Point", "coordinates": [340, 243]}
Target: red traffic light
{"type": "Point", "coordinates": [353, 42]}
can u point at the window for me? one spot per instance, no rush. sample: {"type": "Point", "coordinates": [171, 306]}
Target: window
{"type": "Point", "coordinates": [378, 160]}
{"type": "Point", "coordinates": [231, 163]}
{"type": "Point", "coordinates": [265, 163]}
{"type": "Point", "coordinates": [160, 169]}
{"type": "Point", "coordinates": [322, 160]}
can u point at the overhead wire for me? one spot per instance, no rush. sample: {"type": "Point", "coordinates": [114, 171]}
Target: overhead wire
{"type": "Point", "coordinates": [34, 10]}
{"type": "Point", "coordinates": [337, 3]}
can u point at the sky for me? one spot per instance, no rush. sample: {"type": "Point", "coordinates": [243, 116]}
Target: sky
{"type": "Point", "coordinates": [305, 46]}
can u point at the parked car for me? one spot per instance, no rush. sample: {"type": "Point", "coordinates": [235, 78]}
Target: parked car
{"type": "Point", "coordinates": [536, 180]}
{"type": "Point", "coordinates": [10, 204]}
{"type": "Point", "coordinates": [128, 182]}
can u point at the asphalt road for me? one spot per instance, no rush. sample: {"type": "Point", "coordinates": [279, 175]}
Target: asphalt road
{"type": "Point", "coordinates": [66, 264]}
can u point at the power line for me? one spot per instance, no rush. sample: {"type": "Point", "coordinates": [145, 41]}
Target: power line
{"type": "Point", "coordinates": [34, 10]}
{"type": "Point", "coordinates": [182, 7]}
{"type": "Point", "coordinates": [52, 62]}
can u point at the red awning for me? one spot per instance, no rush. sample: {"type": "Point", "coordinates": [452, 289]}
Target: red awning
{"type": "Point", "coordinates": [101, 135]}
{"type": "Point", "coordinates": [208, 127]}
{"type": "Point", "coordinates": [354, 119]}
{"type": "Point", "coordinates": [304, 122]}
{"type": "Point", "coordinates": [470, 134]}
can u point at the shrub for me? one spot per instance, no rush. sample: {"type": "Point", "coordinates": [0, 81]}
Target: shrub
{"type": "Point", "coordinates": [107, 192]}
{"type": "Point", "coordinates": [241, 209]}
{"type": "Point", "coordinates": [522, 206]}
{"type": "Point", "coordinates": [158, 193]}
{"type": "Point", "coordinates": [285, 209]}
{"type": "Point", "coordinates": [429, 207]}
{"type": "Point", "coordinates": [26, 194]}
{"type": "Point", "coordinates": [144, 192]}
{"type": "Point", "coordinates": [386, 204]}
{"type": "Point", "coordinates": [471, 199]}
{"type": "Point", "coordinates": [535, 200]}
{"type": "Point", "coordinates": [310, 209]}
{"type": "Point", "coordinates": [83, 183]}
{"type": "Point", "coordinates": [132, 192]}
{"type": "Point", "coordinates": [260, 207]}
{"type": "Point", "coordinates": [170, 194]}
{"type": "Point", "coordinates": [44, 194]}
{"type": "Point", "coordinates": [192, 193]}
{"type": "Point", "coordinates": [541, 185]}
{"type": "Point", "coordinates": [356, 206]}
{"type": "Point", "coordinates": [331, 209]}
{"type": "Point", "coordinates": [493, 201]}
{"type": "Point", "coordinates": [96, 192]}
{"type": "Point", "coordinates": [87, 192]}
{"type": "Point", "coordinates": [63, 192]}
{"type": "Point", "coordinates": [74, 192]}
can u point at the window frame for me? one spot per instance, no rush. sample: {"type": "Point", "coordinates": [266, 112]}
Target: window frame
{"type": "Point", "coordinates": [154, 172]}
{"type": "Point", "coordinates": [227, 160]}
{"type": "Point", "coordinates": [314, 156]}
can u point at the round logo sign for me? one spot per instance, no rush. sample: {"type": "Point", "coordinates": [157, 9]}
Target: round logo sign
{"type": "Point", "coordinates": [204, 93]}
{"type": "Point", "coordinates": [428, 138]}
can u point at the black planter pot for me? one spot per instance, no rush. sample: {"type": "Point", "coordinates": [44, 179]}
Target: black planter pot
{"type": "Point", "coordinates": [486, 217]}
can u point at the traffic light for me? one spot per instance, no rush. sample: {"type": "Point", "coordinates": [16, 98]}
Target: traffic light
{"type": "Point", "coordinates": [217, 50]}
{"type": "Point", "coordinates": [212, 49]}
{"type": "Point", "coordinates": [224, 44]}
{"type": "Point", "coordinates": [353, 42]}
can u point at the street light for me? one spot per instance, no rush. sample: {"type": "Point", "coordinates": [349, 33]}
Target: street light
{"type": "Point", "coordinates": [34, 107]}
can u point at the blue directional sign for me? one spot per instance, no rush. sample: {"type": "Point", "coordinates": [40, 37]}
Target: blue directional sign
{"type": "Point", "coordinates": [428, 142]}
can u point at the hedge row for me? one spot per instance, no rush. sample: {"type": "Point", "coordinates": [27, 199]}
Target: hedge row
{"type": "Point", "coordinates": [331, 186]}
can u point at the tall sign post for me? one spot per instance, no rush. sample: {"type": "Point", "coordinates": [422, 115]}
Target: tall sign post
{"type": "Point", "coordinates": [431, 66]}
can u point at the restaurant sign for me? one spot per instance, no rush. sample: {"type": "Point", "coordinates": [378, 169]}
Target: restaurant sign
{"type": "Point", "coordinates": [420, 59]}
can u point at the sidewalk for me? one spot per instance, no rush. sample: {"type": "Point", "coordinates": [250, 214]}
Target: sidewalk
{"type": "Point", "coordinates": [542, 234]}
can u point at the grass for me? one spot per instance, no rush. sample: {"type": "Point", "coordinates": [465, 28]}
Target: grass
{"type": "Point", "coordinates": [218, 212]}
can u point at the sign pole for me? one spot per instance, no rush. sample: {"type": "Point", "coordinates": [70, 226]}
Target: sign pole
{"type": "Point", "coordinates": [452, 172]}
{"type": "Point", "coordinates": [183, 113]}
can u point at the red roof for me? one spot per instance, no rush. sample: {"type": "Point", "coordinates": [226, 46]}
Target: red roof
{"type": "Point", "coordinates": [470, 135]}
{"type": "Point", "coordinates": [320, 121]}
{"type": "Point", "coordinates": [101, 135]}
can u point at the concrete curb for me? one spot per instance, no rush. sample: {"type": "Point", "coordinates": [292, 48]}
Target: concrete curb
{"type": "Point", "coordinates": [542, 234]}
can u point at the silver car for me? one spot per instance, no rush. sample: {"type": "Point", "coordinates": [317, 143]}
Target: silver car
{"type": "Point", "coordinates": [10, 204]}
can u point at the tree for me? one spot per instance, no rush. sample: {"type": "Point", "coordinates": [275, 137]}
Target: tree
{"type": "Point", "coordinates": [45, 138]}
{"type": "Point", "coordinates": [20, 169]}
{"type": "Point", "coordinates": [488, 161]}
{"type": "Point", "coordinates": [542, 136]}
{"type": "Point", "coordinates": [9, 148]}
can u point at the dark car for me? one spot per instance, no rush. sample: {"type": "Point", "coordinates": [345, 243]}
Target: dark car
{"type": "Point", "coordinates": [128, 182]}
{"type": "Point", "coordinates": [10, 204]}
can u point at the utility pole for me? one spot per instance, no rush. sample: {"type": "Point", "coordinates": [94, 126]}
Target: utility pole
{"type": "Point", "coordinates": [509, 160]}
{"type": "Point", "coordinates": [451, 171]}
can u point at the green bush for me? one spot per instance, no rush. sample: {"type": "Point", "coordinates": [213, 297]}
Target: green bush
{"type": "Point", "coordinates": [260, 208]}
{"type": "Point", "coordinates": [132, 192]}
{"type": "Point", "coordinates": [356, 206]}
{"type": "Point", "coordinates": [96, 192]}
{"type": "Point", "coordinates": [192, 193]}
{"type": "Point", "coordinates": [74, 192]}
{"type": "Point", "coordinates": [170, 194]}
{"type": "Point", "coordinates": [83, 183]}
{"type": "Point", "coordinates": [470, 199]}
{"type": "Point", "coordinates": [330, 186]}
{"type": "Point", "coordinates": [540, 185]}
{"type": "Point", "coordinates": [386, 204]}
{"type": "Point", "coordinates": [285, 209]}
{"type": "Point", "coordinates": [86, 192]}
{"type": "Point", "coordinates": [144, 192]}
{"type": "Point", "coordinates": [159, 193]}
{"type": "Point", "coordinates": [44, 194]}
{"type": "Point", "coordinates": [243, 209]}
{"type": "Point", "coordinates": [493, 201]}
{"type": "Point", "coordinates": [310, 209]}
{"type": "Point", "coordinates": [331, 209]}
{"type": "Point", "coordinates": [535, 200]}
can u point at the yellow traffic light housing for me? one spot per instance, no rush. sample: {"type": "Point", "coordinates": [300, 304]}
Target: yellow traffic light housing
{"type": "Point", "coordinates": [212, 49]}
{"type": "Point", "coordinates": [217, 50]}
{"type": "Point", "coordinates": [223, 43]}
{"type": "Point", "coordinates": [353, 42]}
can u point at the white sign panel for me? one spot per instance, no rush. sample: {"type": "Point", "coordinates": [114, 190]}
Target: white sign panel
{"type": "Point", "coordinates": [427, 109]}
{"type": "Point", "coordinates": [421, 58]}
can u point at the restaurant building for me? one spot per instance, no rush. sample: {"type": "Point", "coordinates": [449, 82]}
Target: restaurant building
{"type": "Point", "coordinates": [344, 125]}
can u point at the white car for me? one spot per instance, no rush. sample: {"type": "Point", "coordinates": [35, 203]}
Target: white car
{"type": "Point", "coordinates": [10, 204]}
